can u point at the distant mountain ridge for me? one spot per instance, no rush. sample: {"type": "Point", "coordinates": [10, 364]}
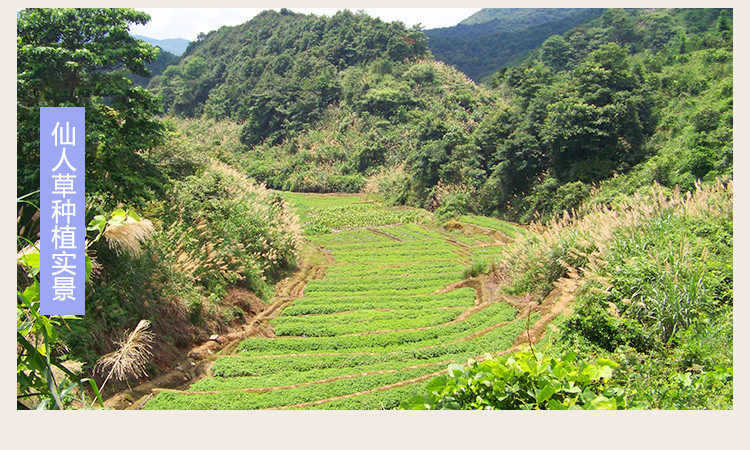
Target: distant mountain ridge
{"type": "Point", "coordinates": [495, 38]}
{"type": "Point", "coordinates": [176, 46]}
{"type": "Point", "coordinates": [518, 18]}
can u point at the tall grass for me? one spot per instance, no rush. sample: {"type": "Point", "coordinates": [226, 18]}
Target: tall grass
{"type": "Point", "coordinates": [577, 244]}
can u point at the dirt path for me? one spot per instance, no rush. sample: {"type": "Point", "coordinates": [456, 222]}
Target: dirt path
{"type": "Point", "coordinates": [197, 362]}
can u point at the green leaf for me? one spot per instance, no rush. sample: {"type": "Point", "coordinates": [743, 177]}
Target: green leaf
{"type": "Point", "coordinates": [589, 373]}
{"type": "Point", "coordinates": [451, 406]}
{"type": "Point", "coordinates": [602, 402]}
{"type": "Point", "coordinates": [133, 215]}
{"type": "Point", "coordinates": [31, 294]}
{"type": "Point", "coordinates": [119, 213]}
{"type": "Point", "coordinates": [97, 223]}
{"type": "Point", "coordinates": [546, 392]}
{"type": "Point", "coordinates": [87, 268]}
{"type": "Point", "coordinates": [437, 385]}
{"type": "Point", "coordinates": [94, 388]}
{"type": "Point", "coordinates": [32, 260]}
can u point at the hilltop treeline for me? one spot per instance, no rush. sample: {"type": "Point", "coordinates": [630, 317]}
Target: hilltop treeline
{"type": "Point", "coordinates": [278, 71]}
{"type": "Point", "coordinates": [349, 103]}
{"type": "Point", "coordinates": [497, 37]}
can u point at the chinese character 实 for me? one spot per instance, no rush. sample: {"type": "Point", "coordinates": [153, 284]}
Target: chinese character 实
{"type": "Point", "coordinates": [64, 158]}
{"type": "Point", "coordinates": [65, 136]}
{"type": "Point", "coordinates": [60, 261]}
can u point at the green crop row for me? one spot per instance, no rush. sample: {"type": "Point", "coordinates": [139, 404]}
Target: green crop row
{"type": "Point", "coordinates": [495, 224]}
{"type": "Point", "coordinates": [439, 350]}
{"type": "Point", "coordinates": [379, 400]}
{"type": "Point", "coordinates": [488, 252]}
{"type": "Point", "coordinates": [354, 271]}
{"type": "Point", "coordinates": [389, 245]}
{"type": "Point", "coordinates": [351, 323]}
{"type": "Point", "coordinates": [493, 314]}
{"type": "Point", "coordinates": [411, 232]}
{"type": "Point", "coordinates": [344, 295]}
{"type": "Point", "coordinates": [461, 298]}
{"type": "Point", "coordinates": [360, 215]}
{"type": "Point", "coordinates": [232, 400]}
{"type": "Point", "coordinates": [348, 237]}
{"type": "Point", "coordinates": [369, 296]}
{"type": "Point", "coordinates": [396, 256]}
{"type": "Point", "coordinates": [286, 378]}
{"type": "Point", "coordinates": [374, 284]}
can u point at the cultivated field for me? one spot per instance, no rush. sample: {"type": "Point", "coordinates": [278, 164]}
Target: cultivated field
{"type": "Point", "coordinates": [392, 310]}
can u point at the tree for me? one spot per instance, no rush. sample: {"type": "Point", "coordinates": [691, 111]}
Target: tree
{"type": "Point", "coordinates": [556, 53]}
{"type": "Point", "coordinates": [621, 25]}
{"type": "Point", "coordinates": [80, 57]}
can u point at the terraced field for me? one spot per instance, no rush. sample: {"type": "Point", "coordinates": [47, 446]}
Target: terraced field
{"type": "Point", "coordinates": [391, 311]}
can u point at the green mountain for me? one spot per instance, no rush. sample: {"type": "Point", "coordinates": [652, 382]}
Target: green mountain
{"type": "Point", "coordinates": [156, 67]}
{"type": "Point", "coordinates": [279, 71]}
{"type": "Point", "coordinates": [493, 39]}
{"type": "Point", "coordinates": [350, 103]}
{"type": "Point", "coordinates": [176, 46]}
{"type": "Point", "coordinates": [617, 136]}
{"type": "Point", "coordinates": [512, 19]}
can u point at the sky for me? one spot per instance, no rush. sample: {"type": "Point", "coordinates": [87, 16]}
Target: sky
{"type": "Point", "coordinates": [186, 23]}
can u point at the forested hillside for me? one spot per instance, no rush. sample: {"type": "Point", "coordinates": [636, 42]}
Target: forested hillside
{"type": "Point", "coordinates": [511, 19]}
{"type": "Point", "coordinates": [495, 38]}
{"type": "Point", "coordinates": [279, 71]}
{"type": "Point", "coordinates": [174, 237]}
{"type": "Point", "coordinates": [597, 103]}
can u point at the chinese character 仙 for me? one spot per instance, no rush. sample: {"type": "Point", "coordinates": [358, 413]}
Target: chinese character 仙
{"type": "Point", "coordinates": [65, 136]}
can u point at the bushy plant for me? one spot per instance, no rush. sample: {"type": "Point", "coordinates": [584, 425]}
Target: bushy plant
{"type": "Point", "coordinates": [478, 266]}
{"type": "Point", "coordinates": [226, 229]}
{"type": "Point", "coordinates": [523, 380]}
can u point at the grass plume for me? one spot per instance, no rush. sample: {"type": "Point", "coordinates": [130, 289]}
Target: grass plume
{"type": "Point", "coordinates": [131, 356]}
{"type": "Point", "coordinates": [129, 236]}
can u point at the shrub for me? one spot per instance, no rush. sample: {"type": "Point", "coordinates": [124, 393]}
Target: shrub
{"type": "Point", "coordinates": [523, 381]}
{"type": "Point", "coordinates": [226, 229]}
{"type": "Point", "coordinates": [478, 266]}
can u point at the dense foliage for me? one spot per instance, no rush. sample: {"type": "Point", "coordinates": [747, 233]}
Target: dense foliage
{"type": "Point", "coordinates": [377, 318]}
{"type": "Point", "coordinates": [523, 380]}
{"type": "Point", "coordinates": [656, 291]}
{"type": "Point", "coordinates": [278, 71]}
{"type": "Point", "coordinates": [621, 99]}
{"type": "Point", "coordinates": [211, 229]}
{"type": "Point", "coordinates": [79, 57]}
{"type": "Point", "coordinates": [159, 65]}
{"type": "Point", "coordinates": [626, 119]}
{"type": "Point", "coordinates": [496, 38]}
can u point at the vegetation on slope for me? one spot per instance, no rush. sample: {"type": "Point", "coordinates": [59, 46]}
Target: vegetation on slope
{"type": "Point", "coordinates": [655, 300]}
{"type": "Point", "coordinates": [278, 71]}
{"type": "Point", "coordinates": [351, 104]}
{"type": "Point", "coordinates": [381, 315]}
{"type": "Point", "coordinates": [215, 241]}
{"type": "Point", "coordinates": [495, 38]}
{"type": "Point", "coordinates": [620, 98]}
